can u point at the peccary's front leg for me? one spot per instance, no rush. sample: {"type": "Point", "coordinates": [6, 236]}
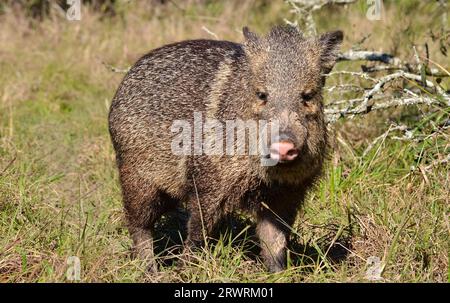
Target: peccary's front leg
{"type": "Point", "coordinates": [274, 222]}
{"type": "Point", "coordinates": [273, 238]}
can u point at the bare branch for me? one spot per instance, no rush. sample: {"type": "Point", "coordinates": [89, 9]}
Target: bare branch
{"type": "Point", "coordinates": [393, 63]}
{"type": "Point", "coordinates": [304, 10]}
{"type": "Point", "coordinates": [366, 102]}
{"type": "Point", "coordinates": [352, 55]}
{"type": "Point", "coordinates": [350, 73]}
{"type": "Point", "coordinates": [333, 114]}
{"type": "Point", "coordinates": [434, 72]}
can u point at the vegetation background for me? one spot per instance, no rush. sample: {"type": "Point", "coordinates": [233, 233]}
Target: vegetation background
{"type": "Point", "coordinates": [381, 212]}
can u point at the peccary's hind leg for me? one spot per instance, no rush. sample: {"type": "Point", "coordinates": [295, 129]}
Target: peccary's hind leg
{"type": "Point", "coordinates": [201, 220]}
{"type": "Point", "coordinates": [143, 245]}
{"type": "Point", "coordinates": [144, 204]}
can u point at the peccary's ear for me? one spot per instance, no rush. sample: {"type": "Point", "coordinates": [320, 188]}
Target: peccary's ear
{"type": "Point", "coordinates": [252, 40]}
{"type": "Point", "coordinates": [329, 44]}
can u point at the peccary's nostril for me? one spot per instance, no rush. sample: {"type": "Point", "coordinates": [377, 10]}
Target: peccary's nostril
{"type": "Point", "coordinates": [283, 151]}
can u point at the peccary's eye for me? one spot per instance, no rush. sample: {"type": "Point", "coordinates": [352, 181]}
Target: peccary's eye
{"type": "Point", "coordinates": [307, 97]}
{"type": "Point", "coordinates": [262, 96]}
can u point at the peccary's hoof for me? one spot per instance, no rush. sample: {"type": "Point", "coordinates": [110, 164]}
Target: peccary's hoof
{"type": "Point", "coordinates": [152, 267]}
{"type": "Point", "coordinates": [149, 263]}
{"type": "Point", "coordinates": [276, 268]}
{"type": "Point", "coordinates": [187, 257]}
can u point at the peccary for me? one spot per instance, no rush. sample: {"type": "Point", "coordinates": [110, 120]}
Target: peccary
{"type": "Point", "coordinates": [274, 77]}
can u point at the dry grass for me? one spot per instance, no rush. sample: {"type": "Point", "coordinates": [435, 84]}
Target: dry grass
{"type": "Point", "coordinates": [59, 194]}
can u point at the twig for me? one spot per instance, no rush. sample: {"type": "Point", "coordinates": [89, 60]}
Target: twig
{"type": "Point", "coordinates": [9, 165]}
{"type": "Point", "coordinates": [383, 137]}
{"type": "Point", "coordinates": [304, 9]}
{"type": "Point", "coordinates": [345, 87]}
{"type": "Point", "coordinates": [438, 162]}
{"type": "Point", "coordinates": [210, 32]}
{"type": "Point", "coordinates": [350, 73]}
{"type": "Point", "coordinates": [115, 69]}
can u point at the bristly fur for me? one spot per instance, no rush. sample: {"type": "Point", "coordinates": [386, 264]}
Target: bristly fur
{"type": "Point", "coordinates": [221, 79]}
{"type": "Point", "coordinates": [286, 33]}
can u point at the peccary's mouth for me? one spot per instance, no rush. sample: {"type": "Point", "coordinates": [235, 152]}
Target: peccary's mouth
{"type": "Point", "coordinates": [277, 161]}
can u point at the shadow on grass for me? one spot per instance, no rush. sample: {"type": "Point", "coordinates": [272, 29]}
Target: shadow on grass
{"type": "Point", "coordinates": [170, 232]}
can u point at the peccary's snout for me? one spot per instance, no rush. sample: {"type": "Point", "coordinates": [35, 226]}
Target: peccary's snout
{"type": "Point", "coordinates": [283, 150]}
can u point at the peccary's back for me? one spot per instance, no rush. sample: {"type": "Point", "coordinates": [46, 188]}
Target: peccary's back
{"type": "Point", "coordinates": [167, 84]}
{"type": "Point", "coordinates": [170, 82]}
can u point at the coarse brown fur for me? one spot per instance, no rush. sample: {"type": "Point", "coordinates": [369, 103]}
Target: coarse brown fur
{"type": "Point", "coordinates": [221, 79]}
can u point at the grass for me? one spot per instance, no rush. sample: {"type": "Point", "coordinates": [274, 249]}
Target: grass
{"type": "Point", "coordinates": [59, 193]}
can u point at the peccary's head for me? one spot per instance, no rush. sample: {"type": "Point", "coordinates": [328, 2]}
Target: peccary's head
{"type": "Point", "coordinates": [287, 75]}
